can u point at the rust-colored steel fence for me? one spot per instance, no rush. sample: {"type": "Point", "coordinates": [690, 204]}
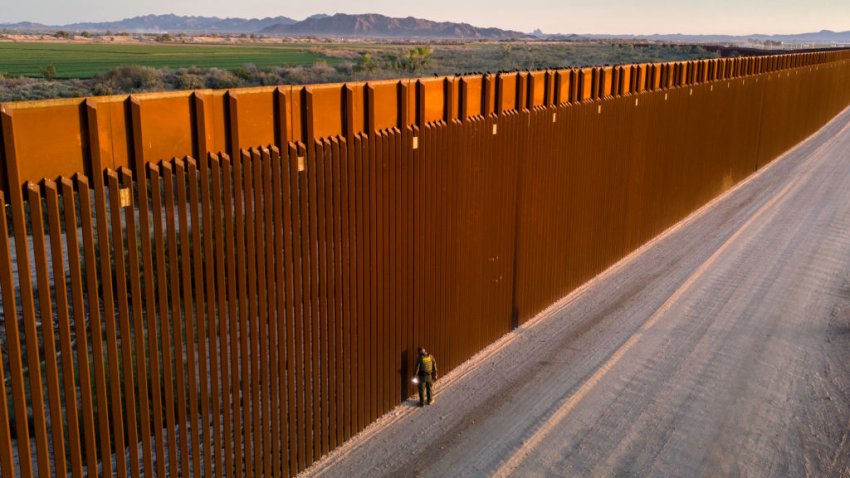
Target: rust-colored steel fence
{"type": "Point", "coordinates": [234, 282]}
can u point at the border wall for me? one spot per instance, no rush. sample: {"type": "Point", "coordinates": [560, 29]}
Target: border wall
{"type": "Point", "coordinates": [235, 282]}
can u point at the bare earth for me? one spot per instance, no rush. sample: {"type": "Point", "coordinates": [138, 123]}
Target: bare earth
{"type": "Point", "coordinates": [720, 349]}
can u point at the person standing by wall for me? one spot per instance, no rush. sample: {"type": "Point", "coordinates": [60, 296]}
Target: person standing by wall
{"type": "Point", "coordinates": [426, 373]}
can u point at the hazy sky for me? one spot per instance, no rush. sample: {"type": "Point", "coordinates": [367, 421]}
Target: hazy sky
{"type": "Point", "coordinates": [552, 16]}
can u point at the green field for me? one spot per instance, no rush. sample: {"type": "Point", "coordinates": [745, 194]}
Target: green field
{"type": "Point", "coordinates": [96, 69]}
{"type": "Point", "coordinates": [87, 60]}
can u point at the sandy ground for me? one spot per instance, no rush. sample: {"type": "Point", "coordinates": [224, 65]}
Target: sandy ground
{"type": "Point", "coordinates": [721, 348]}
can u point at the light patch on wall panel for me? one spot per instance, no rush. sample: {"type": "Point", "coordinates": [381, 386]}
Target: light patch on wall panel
{"type": "Point", "coordinates": [358, 107]}
{"type": "Point", "coordinates": [653, 79]}
{"type": "Point", "coordinates": [472, 97]}
{"type": "Point", "coordinates": [411, 99]}
{"type": "Point", "coordinates": [255, 114]}
{"type": "Point", "coordinates": [508, 92]}
{"type": "Point", "coordinates": [625, 80]}
{"type": "Point", "coordinates": [48, 139]}
{"type": "Point", "coordinates": [522, 91]}
{"type": "Point", "coordinates": [386, 104]}
{"type": "Point", "coordinates": [562, 79]}
{"type": "Point", "coordinates": [215, 125]}
{"type": "Point", "coordinates": [586, 85]}
{"type": "Point", "coordinates": [490, 99]}
{"type": "Point", "coordinates": [434, 98]}
{"type": "Point", "coordinates": [166, 126]}
{"type": "Point", "coordinates": [452, 94]}
{"type": "Point", "coordinates": [327, 110]}
{"type": "Point", "coordinates": [574, 85]}
{"type": "Point", "coordinates": [607, 74]}
{"type": "Point", "coordinates": [296, 129]}
{"type": "Point", "coordinates": [112, 131]}
{"type": "Point", "coordinates": [538, 79]}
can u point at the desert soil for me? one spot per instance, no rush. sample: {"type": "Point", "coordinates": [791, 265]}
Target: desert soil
{"type": "Point", "coordinates": [721, 348]}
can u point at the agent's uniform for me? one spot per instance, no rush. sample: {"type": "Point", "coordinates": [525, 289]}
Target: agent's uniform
{"type": "Point", "coordinates": [426, 370]}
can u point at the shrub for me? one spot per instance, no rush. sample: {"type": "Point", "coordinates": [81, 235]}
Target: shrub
{"type": "Point", "coordinates": [245, 72]}
{"type": "Point", "coordinates": [48, 72]}
{"type": "Point", "coordinates": [184, 80]}
{"type": "Point", "coordinates": [266, 78]}
{"type": "Point", "coordinates": [345, 69]}
{"type": "Point", "coordinates": [100, 89]}
{"type": "Point", "coordinates": [218, 79]}
{"type": "Point", "coordinates": [23, 89]}
{"type": "Point", "coordinates": [133, 78]}
{"type": "Point", "coordinates": [366, 63]}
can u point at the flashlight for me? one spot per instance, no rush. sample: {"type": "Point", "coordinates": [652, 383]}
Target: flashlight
{"type": "Point", "coordinates": [415, 380]}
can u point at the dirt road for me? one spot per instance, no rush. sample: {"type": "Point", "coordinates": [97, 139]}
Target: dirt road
{"type": "Point", "coordinates": [722, 348]}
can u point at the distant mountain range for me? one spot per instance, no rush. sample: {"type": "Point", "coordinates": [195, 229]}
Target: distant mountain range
{"type": "Point", "coordinates": [339, 25]}
{"type": "Point", "coordinates": [374, 25]}
{"type": "Point", "coordinates": [380, 26]}
{"type": "Point", "coordinates": [821, 37]}
{"type": "Point", "coordinates": [163, 23]}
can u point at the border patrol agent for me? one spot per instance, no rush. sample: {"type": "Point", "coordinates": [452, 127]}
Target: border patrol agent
{"type": "Point", "coordinates": [426, 371]}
